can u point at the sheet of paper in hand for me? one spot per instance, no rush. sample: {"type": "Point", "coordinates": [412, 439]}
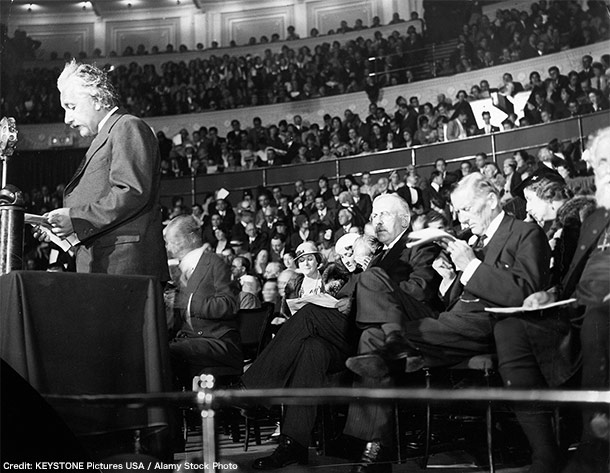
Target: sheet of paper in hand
{"type": "Point", "coordinates": [322, 300]}
{"type": "Point", "coordinates": [514, 310]}
{"type": "Point", "coordinates": [427, 235]}
{"type": "Point", "coordinates": [45, 226]}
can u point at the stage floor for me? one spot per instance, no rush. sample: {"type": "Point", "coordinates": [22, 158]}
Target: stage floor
{"type": "Point", "coordinates": [233, 458]}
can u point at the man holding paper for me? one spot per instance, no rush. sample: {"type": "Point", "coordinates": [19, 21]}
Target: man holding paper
{"type": "Point", "coordinates": [111, 203]}
{"type": "Point", "coordinates": [509, 262]}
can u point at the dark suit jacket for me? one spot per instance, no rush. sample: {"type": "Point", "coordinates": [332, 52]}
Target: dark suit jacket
{"type": "Point", "coordinates": [516, 264]}
{"type": "Point", "coordinates": [209, 236]}
{"type": "Point", "coordinates": [114, 202]}
{"type": "Point", "coordinates": [214, 302]}
{"type": "Point", "coordinates": [411, 272]}
{"type": "Point", "coordinates": [592, 228]}
{"type": "Point", "coordinates": [238, 232]}
{"type": "Point", "coordinates": [296, 240]}
{"type": "Point", "coordinates": [438, 198]}
{"type": "Point", "coordinates": [261, 242]}
{"type": "Point", "coordinates": [328, 220]}
{"type": "Point", "coordinates": [494, 129]}
{"type": "Point", "coordinates": [406, 194]}
{"type": "Point", "coordinates": [365, 205]}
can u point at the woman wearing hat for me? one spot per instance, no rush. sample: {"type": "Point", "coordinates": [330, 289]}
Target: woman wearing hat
{"type": "Point", "coordinates": [309, 261]}
{"type": "Point", "coordinates": [307, 280]}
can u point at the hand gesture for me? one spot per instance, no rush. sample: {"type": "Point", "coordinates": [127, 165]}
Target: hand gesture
{"type": "Point", "coordinates": [461, 254]}
{"type": "Point", "coordinates": [344, 305]}
{"type": "Point", "coordinates": [60, 221]}
{"type": "Point", "coordinates": [535, 300]}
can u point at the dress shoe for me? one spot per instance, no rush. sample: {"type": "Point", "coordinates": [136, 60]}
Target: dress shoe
{"type": "Point", "coordinates": [374, 365]}
{"type": "Point", "coordinates": [396, 347]}
{"type": "Point", "coordinates": [286, 453]}
{"type": "Point", "coordinates": [370, 365]}
{"type": "Point", "coordinates": [370, 461]}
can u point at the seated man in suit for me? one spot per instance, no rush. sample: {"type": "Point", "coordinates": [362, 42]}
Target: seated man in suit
{"type": "Point", "coordinates": [456, 128]}
{"type": "Point", "coordinates": [256, 241]}
{"type": "Point", "coordinates": [312, 344]}
{"type": "Point", "coordinates": [435, 195]}
{"type": "Point", "coordinates": [399, 285]}
{"type": "Point", "coordinates": [362, 201]}
{"type": "Point", "coordinates": [487, 127]}
{"type": "Point", "coordinates": [412, 194]}
{"type": "Point", "coordinates": [398, 270]}
{"type": "Point", "coordinates": [345, 220]}
{"type": "Point", "coordinates": [207, 303]}
{"type": "Point", "coordinates": [322, 216]}
{"type": "Point", "coordinates": [509, 262]}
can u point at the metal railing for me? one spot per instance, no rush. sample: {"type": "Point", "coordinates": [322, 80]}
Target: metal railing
{"type": "Point", "coordinates": [208, 399]}
{"type": "Point", "coordinates": [496, 145]}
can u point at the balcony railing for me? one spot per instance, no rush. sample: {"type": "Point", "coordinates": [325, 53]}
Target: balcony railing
{"type": "Point", "coordinates": [497, 146]}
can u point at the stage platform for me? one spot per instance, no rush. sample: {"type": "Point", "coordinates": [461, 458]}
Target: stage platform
{"type": "Point", "coordinates": [233, 458]}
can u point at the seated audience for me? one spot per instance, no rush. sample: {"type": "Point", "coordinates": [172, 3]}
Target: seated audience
{"type": "Point", "coordinates": [513, 257]}
{"type": "Point", "coordinates": [207, 303]}
{"type": "Point", "coordinates": [587, 280]}
{"type": "Point", "coordinates": [311, 345]}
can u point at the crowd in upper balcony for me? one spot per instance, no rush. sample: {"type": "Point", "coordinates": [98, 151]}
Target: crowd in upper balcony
{"type": "Point", "coordinates": [411, 123]}
{"type": "Point", "coordinates": [227, 81]}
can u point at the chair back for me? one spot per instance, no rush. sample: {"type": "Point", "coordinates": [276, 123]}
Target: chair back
{"type": "Point", "coordinates": [254, 327]}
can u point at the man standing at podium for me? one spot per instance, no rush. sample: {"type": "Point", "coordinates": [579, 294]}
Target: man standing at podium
{"type": "Point", "coordinates": [111, 204]}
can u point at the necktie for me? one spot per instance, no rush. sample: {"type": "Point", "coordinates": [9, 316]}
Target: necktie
{"type": "Point", "coordinates": [479, 246]}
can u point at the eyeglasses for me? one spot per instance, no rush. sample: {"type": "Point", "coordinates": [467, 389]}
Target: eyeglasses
{"type": "Point", "coordinates": [381, 215]}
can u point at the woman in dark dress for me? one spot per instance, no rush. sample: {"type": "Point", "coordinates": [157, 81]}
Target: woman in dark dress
{"type": "Point", "coordinates": [551, 205]}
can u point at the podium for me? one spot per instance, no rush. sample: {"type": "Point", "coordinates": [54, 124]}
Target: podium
{"type": "Point", "coordinates": [69, 333]}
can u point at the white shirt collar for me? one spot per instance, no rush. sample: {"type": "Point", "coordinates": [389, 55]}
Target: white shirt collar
{"type": "Point", "coordinates": [493, 227]}
{"type": "Point", "coordinates": [391, 245]}
{"type": "Point", "coordinates": [189, 262]}
{"type": "Point", "coordinates": [105, 119]}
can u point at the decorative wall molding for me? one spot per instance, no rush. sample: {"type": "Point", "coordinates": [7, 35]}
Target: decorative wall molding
{"type": "Point", "coordinates": [61, 38]}
{"type": "Point", "coordinates": [241, 26]}
{"type": "Point", "coordinates": [327, 16]}
{"type": "Point", "coordinates": [155, 32]}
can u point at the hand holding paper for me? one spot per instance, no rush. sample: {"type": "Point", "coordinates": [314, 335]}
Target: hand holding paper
{"type": "Point", "coordinates": [43, 231]}
{"type": "Point", "coordinates": [427, 235]}
{"type": "Point", "coordinates": [61, 223]}
{"type": "Point", "coordinates": [514, 310]}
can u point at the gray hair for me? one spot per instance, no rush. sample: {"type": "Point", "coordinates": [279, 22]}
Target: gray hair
{"type": "Point", "coordinates": [404, 211]}
{"type": "Point", "coordinates": [478, 184]}
{"type": "Point", "coordinates": [186, 230]}
{"type": "Point", "coordinates": [93, 80]}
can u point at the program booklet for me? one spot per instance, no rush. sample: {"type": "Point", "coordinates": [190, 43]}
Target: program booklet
{"type": "Point", "coordinates": [427, 235]}
{"type": "Point", "coordinates": [43, 223]}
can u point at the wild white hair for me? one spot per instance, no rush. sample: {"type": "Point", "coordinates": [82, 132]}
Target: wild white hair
{"type": "Point", "coordinates": [92, 79]}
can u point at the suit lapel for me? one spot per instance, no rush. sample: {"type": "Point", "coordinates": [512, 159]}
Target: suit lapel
{"type": "Point", "coordinates": [96, 144]}
{"type": "Point", "coordinates": [200, 273]}
{"type": "Point", "coordinates": [590, 232]}
{"type": "Point", "coordinates": [393, 255]}
{"type": "Point", "coordinates": [499, 239]}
